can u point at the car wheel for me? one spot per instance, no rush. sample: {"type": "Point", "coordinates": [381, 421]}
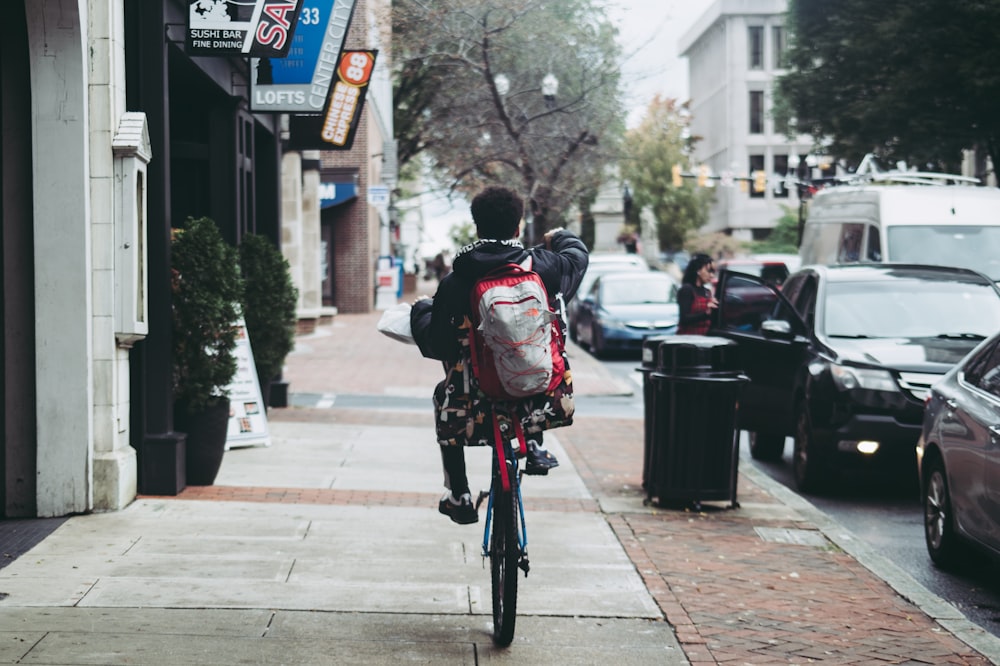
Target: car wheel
{"type": "Point", "coordinates": [596, 341]}
{"type": "Point", "coordinates": [572, 332]}
{"type": "Point", "coordinates": [807, 462]}
{"type": "Point", "coordinates": [939, 530]}
{"type": "Point", "coordinates": [580, 335]}
{"type": "Point", "coordinates": [766, 446]}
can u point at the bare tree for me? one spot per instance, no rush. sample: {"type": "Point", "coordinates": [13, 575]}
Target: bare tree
{"type": "Point", "coordinates": [523, 93]}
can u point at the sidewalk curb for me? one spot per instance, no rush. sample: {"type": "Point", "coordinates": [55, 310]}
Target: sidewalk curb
{"type": "Point", "coordinates": [942, 612]}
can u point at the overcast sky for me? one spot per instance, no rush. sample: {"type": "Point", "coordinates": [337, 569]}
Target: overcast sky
{"type": "Point", "coordinates": [650, 31]}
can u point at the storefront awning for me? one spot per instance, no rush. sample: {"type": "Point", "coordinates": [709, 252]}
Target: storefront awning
{"type": "Point", "coordinates": [334, 194]}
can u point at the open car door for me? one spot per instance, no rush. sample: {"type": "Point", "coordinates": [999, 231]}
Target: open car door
{"type": "Point", "coordinates": [774, 345]}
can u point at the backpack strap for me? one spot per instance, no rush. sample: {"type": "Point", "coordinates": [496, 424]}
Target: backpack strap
{"type": "Point", "coordinates": [501, 449]}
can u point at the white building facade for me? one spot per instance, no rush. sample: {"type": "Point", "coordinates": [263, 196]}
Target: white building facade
{"type": "Point", "coordinates": [735, 52]}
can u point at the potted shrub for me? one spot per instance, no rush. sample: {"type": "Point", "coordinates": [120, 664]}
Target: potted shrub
{"type": "Point", "coordinates": [268, 307]}
{"type": "Point", "coordinates": [206, 290]}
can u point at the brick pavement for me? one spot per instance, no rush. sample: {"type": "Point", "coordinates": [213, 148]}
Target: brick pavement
{"type": "Point", "coordinates": [731, 595]}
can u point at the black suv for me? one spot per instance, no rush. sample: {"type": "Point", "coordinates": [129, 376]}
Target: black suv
{"type": "Point", "coordinates": [842, 358]}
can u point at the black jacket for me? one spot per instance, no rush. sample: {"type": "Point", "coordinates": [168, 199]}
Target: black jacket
{"type": "Point", "coordinates": [436, 324]}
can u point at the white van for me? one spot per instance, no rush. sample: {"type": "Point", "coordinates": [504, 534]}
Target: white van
{"type": "Point", "coordinates": [948, 225]}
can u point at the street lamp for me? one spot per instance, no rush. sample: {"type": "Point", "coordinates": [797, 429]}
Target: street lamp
{"type": "Point", "coordinates": [502, 83]}
{"type": "Point", "coordinates": [550, 86]}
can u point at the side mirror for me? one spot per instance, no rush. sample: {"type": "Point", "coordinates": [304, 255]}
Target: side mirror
{"type": "Point", "coordinates": [777, 328]}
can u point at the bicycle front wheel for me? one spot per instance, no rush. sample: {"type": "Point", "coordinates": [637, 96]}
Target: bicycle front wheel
{"type": "Point", "coordinates": [504, 555]}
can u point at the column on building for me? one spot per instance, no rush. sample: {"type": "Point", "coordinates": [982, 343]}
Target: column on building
{"type": "Point", "coordinates": [119, 155]}
{"type": "Point", "coordinates": [63, 261]}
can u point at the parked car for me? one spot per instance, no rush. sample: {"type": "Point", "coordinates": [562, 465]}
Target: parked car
{"type": "Point", "coordinates": [842, 358]}
{"type": "Point", "coordinates": [600, 263]}
{"type": "Point", "coordinates": [959, 457]}
{"type": "Point", "coordinates": [621, 309]}
{"type": "Point", "coordinates": [773, 268]}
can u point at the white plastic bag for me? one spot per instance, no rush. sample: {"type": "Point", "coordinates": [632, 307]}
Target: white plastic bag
{"type": "Point", "coordinates": [395, 323]}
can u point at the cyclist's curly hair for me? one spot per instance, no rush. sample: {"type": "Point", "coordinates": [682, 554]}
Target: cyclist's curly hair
{"type": "Point", "coordinates": [497, 212]}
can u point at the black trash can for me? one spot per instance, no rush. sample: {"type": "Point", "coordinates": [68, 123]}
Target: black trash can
{"type": "Point", "coordinates": [696, 389]}
{"type": "Point", "coordinates": [648, 366]}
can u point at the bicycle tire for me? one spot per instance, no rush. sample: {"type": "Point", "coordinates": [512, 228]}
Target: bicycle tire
{"type": "Point", "coordinates": [504, 556]}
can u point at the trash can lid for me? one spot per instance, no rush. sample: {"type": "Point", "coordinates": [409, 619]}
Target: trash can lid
{"type": "Point", "coordinates": [687, 354]}
{"type": "Point", "coordinates": [649, 346]}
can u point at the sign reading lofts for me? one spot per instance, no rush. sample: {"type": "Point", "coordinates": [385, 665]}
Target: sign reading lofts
{"type": "Point", "coordinates": [300, 82]}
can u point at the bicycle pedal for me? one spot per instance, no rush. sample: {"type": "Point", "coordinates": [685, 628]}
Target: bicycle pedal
{"type": "Point", "coordinates": [524, 566]}
{"type": "Point", "coordinates": [483, 494]}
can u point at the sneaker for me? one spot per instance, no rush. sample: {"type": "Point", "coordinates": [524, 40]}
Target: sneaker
{"type": "Point", "coordinates": [539, 461]}
{"type": "Point", "coordinates": [460, 511]}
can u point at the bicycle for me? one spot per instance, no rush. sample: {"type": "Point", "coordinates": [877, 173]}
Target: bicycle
{"type": "Point", "coordinates": [505, 538]}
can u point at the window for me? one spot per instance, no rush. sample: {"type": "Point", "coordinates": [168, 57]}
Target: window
{"type": "Point", "coordinates": [781, 173]}
{"type": "Point", "coordinates": [755, 38]}
{"type": "Point", "coordinates": [756, 111]}
{"type": "Point", "coordinates": [850, 243]}
{"type": "Point", "coordinates": [805, 301]}
{"type": "Point", "coordinates": [984, 370]}
{"type": "Point", "coordinates": [874, 244]}
{"type": "Point", "coordinates": [990, 381]}
{"type": "Point", "coordinates": [778, 60]}
{"type": "Point", "coordinates": [756, 164]}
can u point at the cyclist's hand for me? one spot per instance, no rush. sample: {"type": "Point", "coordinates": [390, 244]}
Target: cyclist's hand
{"type": "Point", "coordinates": [548, 236]}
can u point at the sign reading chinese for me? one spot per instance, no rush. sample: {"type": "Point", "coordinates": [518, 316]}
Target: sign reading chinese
{"type": "Point", "coordinates": [262, 28]}
{"type": "Point", "coordinates": [347, 98]}
{"type": "Point", "coordinates": [300, 82]}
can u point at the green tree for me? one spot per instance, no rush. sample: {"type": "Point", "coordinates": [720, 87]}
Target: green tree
{"type": "Point", "coordinates": [914, 80]}
{"type": "Point", "coordinates": [469, 94]}
{"type": "Point", "coordinates": [784, 237]}
{"type": "Point", "coordinates": [651, 150]}
{"type": "Point", "coordinates": [269, 300]}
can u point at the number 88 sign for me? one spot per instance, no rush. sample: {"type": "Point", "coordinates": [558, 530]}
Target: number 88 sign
{"type": "Point", "coordinates": [356, 67]}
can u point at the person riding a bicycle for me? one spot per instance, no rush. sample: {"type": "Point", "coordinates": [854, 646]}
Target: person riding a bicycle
{"type": "Point", "coordinates": [463, 415]}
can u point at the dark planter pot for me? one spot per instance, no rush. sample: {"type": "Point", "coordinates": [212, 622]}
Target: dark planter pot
{"type": "Point", "coordinates": [206, 440]}
{"type": "Point", "coordinates": [277, 393]}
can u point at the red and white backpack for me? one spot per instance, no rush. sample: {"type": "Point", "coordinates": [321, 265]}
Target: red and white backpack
{"type": "Point", "coordinates": [516, 339]}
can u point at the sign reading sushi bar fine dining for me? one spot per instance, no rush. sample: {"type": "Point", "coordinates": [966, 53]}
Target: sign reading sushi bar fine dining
{"type": "Point", "coordinates": [259, 28]}
{"type": "Point", "coordinates": [247, 418]}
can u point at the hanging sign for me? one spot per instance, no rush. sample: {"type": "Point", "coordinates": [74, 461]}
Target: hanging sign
{"type": "Point", "coordinates": [347, 98]}
{"type": "Point", "coordinates": [261, 28]}
{"type": "Point", "coordinates": [299, 83]}
{"type": "Point", "coordinates": [334, 130]}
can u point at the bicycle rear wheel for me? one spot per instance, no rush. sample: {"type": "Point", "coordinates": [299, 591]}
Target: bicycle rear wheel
{"type": "Point", "coordinates": [504, 556]}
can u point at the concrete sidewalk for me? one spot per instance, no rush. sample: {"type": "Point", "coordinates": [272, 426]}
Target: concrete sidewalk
{"type": "Point", "coordinates": [327, 548]}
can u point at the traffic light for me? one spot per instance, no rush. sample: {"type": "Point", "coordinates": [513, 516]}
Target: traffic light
{"type": "Point", "coordinates": [702, 176]}
{"type": "Point", "coordinates": [759, 180]}
{"type": "Point", "coordinates": [675, 172]}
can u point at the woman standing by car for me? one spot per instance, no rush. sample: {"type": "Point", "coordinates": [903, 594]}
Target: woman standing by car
{"type": "Point", "coordinates": [695, 299]}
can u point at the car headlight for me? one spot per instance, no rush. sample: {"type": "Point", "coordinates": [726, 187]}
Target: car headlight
{"type": "Point", "coordinates": [611, 322]}
{"type": "Point", "coordinates": [848, 379]}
